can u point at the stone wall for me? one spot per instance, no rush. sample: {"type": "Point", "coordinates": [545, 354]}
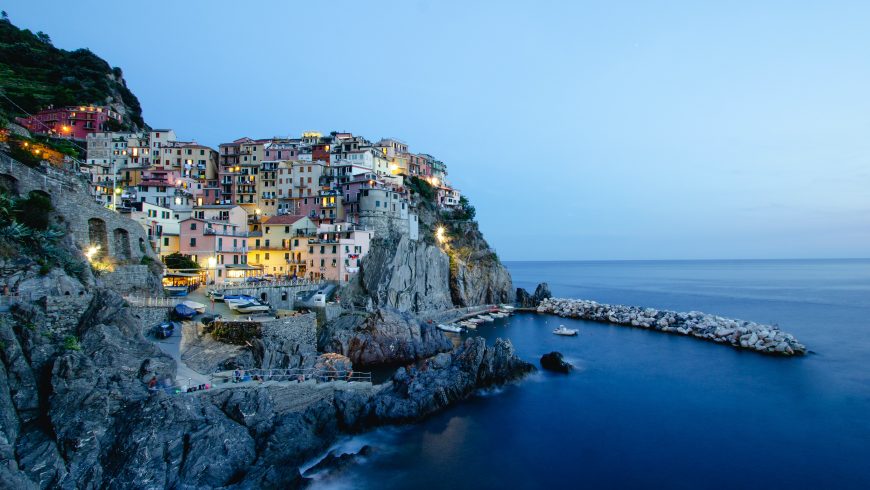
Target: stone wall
{"type": "Point", "coordinates": [87, 222]}
{"type": "Point", "coordinates": [150, 315]}
{"type": "Point", "coordinates": [63, 312]}
{"type": "Point", "coordinates": [126, 279]}
{"type": "Point", "coordinates": [299, 329]}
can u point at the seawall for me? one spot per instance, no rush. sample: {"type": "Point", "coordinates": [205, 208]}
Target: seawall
{"type": "Point", "coordinates": [766, 339]}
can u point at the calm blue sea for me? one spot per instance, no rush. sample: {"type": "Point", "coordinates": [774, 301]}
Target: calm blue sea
{"type": "Point", "coordinates": [649, 410]}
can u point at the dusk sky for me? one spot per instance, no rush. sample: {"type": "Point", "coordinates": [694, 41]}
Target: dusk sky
{"type": "Point", "coordinates": [579, 130]}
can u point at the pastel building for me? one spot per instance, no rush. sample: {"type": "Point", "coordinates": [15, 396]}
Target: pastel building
{"type": "Point", "coordinates": [75, 122]}
{"type": "Point", "coordinates": [281, 247]}
{"type": "Point", "coordinates": [335, 253]}
{"type": "Point", "coordinates": [218, 233]}
{"type": "Point", "coordinates": [160, 224]}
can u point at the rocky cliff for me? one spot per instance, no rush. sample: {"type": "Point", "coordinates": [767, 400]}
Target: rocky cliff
{"type": "Point", "coordinates": [427, 274]}
{"type": "Point", "coordinates": [386, 337]}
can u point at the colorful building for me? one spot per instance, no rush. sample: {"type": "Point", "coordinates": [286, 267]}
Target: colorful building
{"type": "Point", "coordinates": [75, 122]}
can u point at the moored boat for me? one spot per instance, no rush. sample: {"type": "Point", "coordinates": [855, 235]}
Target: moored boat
{"type": "Point", "coordinates": [176, 290]}
{"type": "Point", "coordinates": [253, 307]}
{"type": "Point", "coordinates": [486, 318]}
{"type": "Point", "coordinates": [198, 307]}
{"type": "Point", "coordinates": [184, 312]}
{"type": "Point", "coordinates": [215, 295]}
{"type": "Point", "coordinates": [565, 331]}
{"type": "Point", "coordinates": [450, 328]}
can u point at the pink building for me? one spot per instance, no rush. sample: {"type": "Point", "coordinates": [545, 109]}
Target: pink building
{"type": "Point", "coordinates": [75, 122]}
{"type": "Point", "coordinates": [223, 240]}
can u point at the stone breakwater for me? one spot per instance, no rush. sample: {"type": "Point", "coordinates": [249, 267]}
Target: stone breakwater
{"type": "Point", "coordinates": [767, 339]}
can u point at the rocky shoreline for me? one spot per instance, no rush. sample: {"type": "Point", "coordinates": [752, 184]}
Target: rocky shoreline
{"type": "Point", "coordinates": [766, 339]}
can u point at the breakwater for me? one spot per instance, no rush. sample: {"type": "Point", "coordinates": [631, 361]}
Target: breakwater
{"type": "Point", "coordinates": [767, 339]}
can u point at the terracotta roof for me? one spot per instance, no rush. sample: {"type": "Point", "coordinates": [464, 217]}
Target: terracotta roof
{"type": "Point", "coordinates": [284, 219]}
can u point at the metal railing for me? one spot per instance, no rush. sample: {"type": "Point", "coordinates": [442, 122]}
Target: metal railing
{"type": "Point", "coordinates": [298, 375]}
{"type": "Point", "coordinates": [153, 301]}
{"type": "Point", "coordinates": [269, 284]}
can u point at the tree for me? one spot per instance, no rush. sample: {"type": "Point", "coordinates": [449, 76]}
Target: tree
{"type": "Point", "coordinates": [4, 15]}
{"type": "Point", "coordinates": [178, 261]}
{"type": "Point", "coordinates": [43, 37]}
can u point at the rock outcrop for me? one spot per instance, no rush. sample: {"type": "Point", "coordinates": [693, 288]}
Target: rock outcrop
{"type": "Point", "coordinates": [554, 361]}
{"type": "Point", "coordinates": [385, 337]}
{"type": "Point", "coordinates": [406, 275]}
{"type": "Point", "coordinates": [415, 392]}
{"type": "Point", "coordinates": [767, 339]}
{"type": "Point", "coordinates": [525, 300]}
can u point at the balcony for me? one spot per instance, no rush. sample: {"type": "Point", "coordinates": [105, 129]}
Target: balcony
{"type": "Point", "coordinates": [241, 250]}
{"type": "Point", "coordinates": [212, 231]}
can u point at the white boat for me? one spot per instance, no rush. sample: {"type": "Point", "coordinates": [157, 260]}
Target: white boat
{"type": "Point", "coordinates": [474, 320]}
{"type": "Point", "coordinates": [563, 330]}
{"type": "Point", "coordinates": [450, 328]}
{"type": "Point", "coordinates": [193, 305]}
{"type": "Point", "coordinates": [486, 318]}
{"type": "Point", "coordinates": [252, 308]}
{"type": "Point", "coordinates": [498, 314]}
{"type": "Point", "coordinates": [470, 325]}
{"type": "Point", "coordinates": [508, 308]}
{"type": "Point", "coordinates": [233, 302]}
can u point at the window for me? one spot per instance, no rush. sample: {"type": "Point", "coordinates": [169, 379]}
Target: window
{"type": "Point", "coordinates": [166, 241]}
{"type": "Point", "coordinates": [193, 226]}
{"type": "Point", "coordinates": [267, 255]}
{"type": "Point", "coordinates": [193, 242]}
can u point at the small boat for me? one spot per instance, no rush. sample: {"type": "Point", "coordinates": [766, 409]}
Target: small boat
{"type": "Point", "coordinates": [498, 314]}
{"type": "Point", "coordinates": [164, 330]}
{"type": "Point", "coordinates": [486, 318]}
{"type": "Point", "coordinates": [215, 295]}
{"type": "Point", "coordinates": [198, 307]}
{"type": "Point", "coordinates": [176, 290]}
{"type": "Point", "coordinates": [235, 301]}
{"type": "Point", "coordinates": [507, 308]}
{"type": "Point", "coordinates": [475, 320]}
{"type": "Point", "coordinates": [253, 307]}
{"type": "Point", "coordinates": [185, 312]}
{"type": "Point", "coordinates": [450, 328]}
{"type": "Point", "coordinates": [470, 325]}
{"type": "Point", "coordinates": [563, 330]}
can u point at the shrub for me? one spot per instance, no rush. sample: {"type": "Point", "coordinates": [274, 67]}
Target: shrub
{"type": "Point", "coordinates": [71, 343]}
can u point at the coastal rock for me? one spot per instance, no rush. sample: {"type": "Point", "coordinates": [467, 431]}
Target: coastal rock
{"type": "Point", "coordinates": [386, 337]}
{"type": "Point", "coordinates": [333, 462]}
{"type": "Point", "coordinates": [554, 361]}
{"type": "Point", "coordinates": [525, 300]}
{"type": "Point", "coordinates": [417, 391]}
{"type": "Point", "coordinates": [767, 339]}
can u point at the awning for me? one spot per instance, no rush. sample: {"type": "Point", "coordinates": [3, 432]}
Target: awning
{"type": "Point", "coordinates": [242, 267]}
{"type": "Point", "coordinates": [181, 274]}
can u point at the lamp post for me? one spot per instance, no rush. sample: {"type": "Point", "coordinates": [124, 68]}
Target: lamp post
{"type": "Point", "coordinates": [212, 262]}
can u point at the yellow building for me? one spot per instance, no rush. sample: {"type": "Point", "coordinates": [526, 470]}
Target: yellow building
{"type": "Point", "coordinates": [281, 247]}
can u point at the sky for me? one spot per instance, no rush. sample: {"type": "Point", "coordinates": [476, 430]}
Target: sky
{"type": "Point", "coordinates": [579, 130]}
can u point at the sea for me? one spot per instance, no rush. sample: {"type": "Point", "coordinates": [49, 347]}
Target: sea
{"type": "Point", "coordinates": [650, 410]}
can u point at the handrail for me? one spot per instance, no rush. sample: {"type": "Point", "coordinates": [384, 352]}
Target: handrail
{"type": "Point", "coordinates": [292, 374]}
{"type": "Point", "coordinates": [279, 284]}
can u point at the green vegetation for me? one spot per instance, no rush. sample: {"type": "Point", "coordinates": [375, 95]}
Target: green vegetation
{"type": "Point", "coordinates": [71, 342]}
{"type": "Point", "coordinates": [421, 188]}
{"type": "Point", "coordinates": [178, 261]}
{"type": "Point", "coordinates": [464, 212]}
{"type": "Point", "coordinates": [25, 230]}
{"type": "Point", "coordinates": [35, 74]}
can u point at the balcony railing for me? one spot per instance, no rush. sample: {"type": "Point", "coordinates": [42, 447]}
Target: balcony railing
{"type": "Point", "coordinates": [241, 250]}
{"type": "Point", "coordinates": [212, 231]}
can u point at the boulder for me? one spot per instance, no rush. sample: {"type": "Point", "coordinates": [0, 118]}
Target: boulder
{"type": "Point", "coordinates": [555, 362]}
